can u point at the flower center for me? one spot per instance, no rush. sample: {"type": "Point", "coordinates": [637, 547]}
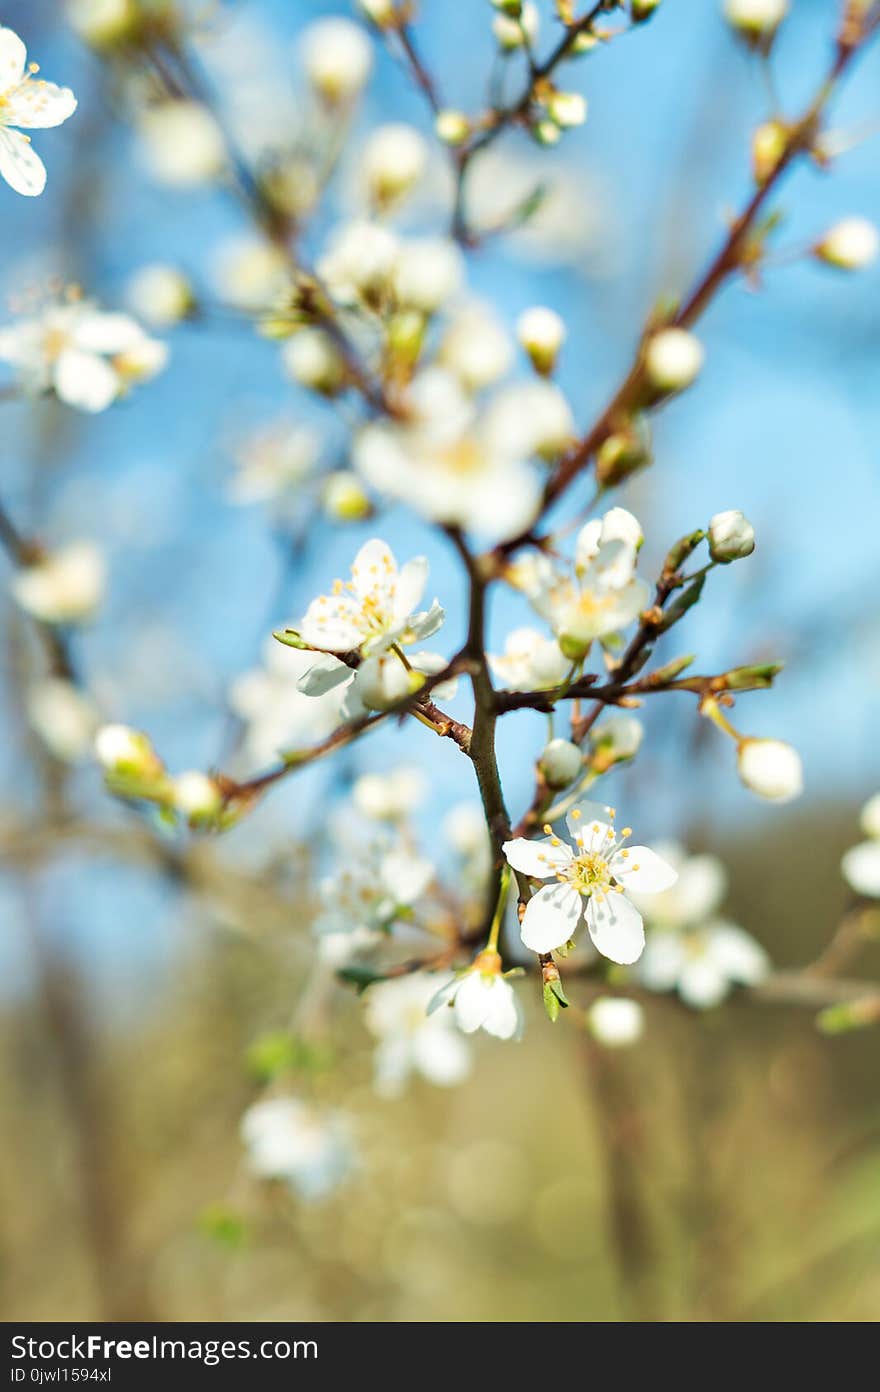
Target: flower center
{"type": "Point", "coordinates": [589, 872]}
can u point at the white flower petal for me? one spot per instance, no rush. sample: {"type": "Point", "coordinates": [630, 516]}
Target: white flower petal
{"type": "Point", "coordinates": [374, 571]}
{"type": "Point", "coordinates": [20, 166]}
{"type": "Point", "coordinates": [702, 984]}
{"type": "Point", "coordinates": [505, 1018]}
{"type": "Point", "coordinates": [441, 1056]}
{"type": "Point", "coordinates": [410, 587]}
{"type": "Point", "coordinates": [335, 622]}
{"type": "Point", "coordinates": [662, 961]}
{"type": "Point", "coordinates": [13, 59]}
{"type": "Point", "coordinates": [443, 996]}
{"type": "Point", "coordinates": [551, 918]}
{"type": "Point", "coordinates": [426, 624]}
{"type": "Point", "coordinates": [616, 927]}
{"type": "Point", "coordinates": [539, 859]}
{"type": "Point", "coordinates": [473, 1001]}
{"type": "Point", "coordinates": [640, 869]}
{"type": "Point", "coordinates": [326, 674]}
{"type": "Point", "coordinates": [861, 868]}
{"type": "Point", "coordinates": [38, 105]}
{"type": "Point", "coordinates": [85, 381]}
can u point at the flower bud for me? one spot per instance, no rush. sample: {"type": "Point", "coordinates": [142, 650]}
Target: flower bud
{"type": "Point", "coordinates": [850, 245]}
{"type": "Point", "coordinates": [561, 762]}
{"type": "Point", "coordinates": [870, 818]}
{"type": "Point", "coordinates": [384, 681]}
{"type": "Point", "coordinates": [615, 1021]}
{"type": "Point", "coordinates": [512, 32]}
{"type": "Point", "coordinates": [620, 455]}
{"type": "Point", "coordinates": [104, 23]}
{"type": "Point", "coordinates": [769, 144]}
{"type": "Point", "coordinates": [122, 750]}
{"type": "Point", "coordinates": [312, 359]}
{"type": "Point", "coordinates": [567, 109]}
{"type": "Point", "coordinates": [345, 498]}
{"type": "Point", "coordinates": [673, 359]}
{"type": "Point", "coordinates": [183, 144]}
{"type": "Point", "coordinates": [393, 162]}
{"type": "Point", "coordinates": [616, 739]}
{"type": "Point", "coordinates": [65, 586]}
{"type": "Point", "coordinates": [452, 127]}
{"type": "Point", "coordinates": [337, 59]}
{"type": "Point", "coordinates": [640, 10]}
{"type": "Point", "coordinates": [161, 295]}
{"type": "Point", "coordinates": [770, 768]}
{"type": "Point", "coordinates": [196, 796]}
{"type": "Point", "coordinates": [379, 12]}
{"type": "Point", "coordinates": [731, 537]}
{"type": "Point", "coordinates": [542, 333]}
{"type": "Point", "coordinates": [756, 21]}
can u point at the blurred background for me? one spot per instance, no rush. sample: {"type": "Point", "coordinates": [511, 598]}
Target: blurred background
{"type": "Point", "coordinates": [726, 1168]}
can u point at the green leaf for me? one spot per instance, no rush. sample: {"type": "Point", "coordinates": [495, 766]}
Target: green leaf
{"type": "Point", "coordinates": [551, 1003]}
{"type": "Point", "coordinates": [223, 1226]}
{"type": "Point", "coordinates": [685, 601]}
{"type": "Point", "coordinates": [359, 977]}
{"type": "Point", "coordinates": [683, 548]}
{"type": "Point", "coordinates": [291, 639]}
{"type": "Point", "coordinates": [756, 678]}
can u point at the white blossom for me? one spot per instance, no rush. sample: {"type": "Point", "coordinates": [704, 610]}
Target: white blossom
{"type": "Point", "coordinates": [861, 864]}
{"type": "Point", "coordinates": [528, 418]}
{"type": "Point", "coordinates": [250, 273]}
{"type": "Point", "coordinates": [696, 895]}
{"type": "Point", "coordinates": [370, 885]}
{"type": "Point", "coordinates": [592, 883]}
{"type": "Point", "coordinates": [122, 750]}
{"type": "Point", "coordinates": [277, 716]}
{"type": "Point", "coordinates": [530, 661]}
{"type": "Point", "coordinates": [196, 795]}
{"type": "Point", "coordinates": [440, 461]}
{"type": "Point", "coordinates": [673, 359]}
{"type": "Point", "coordinates": [567, 109]}
{"type": "Point", "coordinates": [771, 768]}
{"type": "Point", "coordinates": [392, 163]}
{"type": "Point", "coordinates": [273, 462]}
{"type": "Point", "coordinates": [359, 262]}
{"type": "Point", "coordinates": [87, 357]}
{"type": "Point", "coordinates": [428, 271]}
{"type": "Point", "coordinates": [541, 332]}
{"type": "Point", "coordinates": [603, 595]}
{"type": "Point", "coordinates": [29, 103]}
{"type": "Point", "coordinates": [513, 33]}
{"type": "Point", "coordinates": [308, 1148]}
{"type": "Point", "coordinates": [755, 18]}
{"type": "Point", "coordinates": [391, 796]}
{"type": "Point", "coordinates": [160, 294]}
{"type": "Point", "coordinates": [376, 609]}
{"type": "Point", "coordinates": [312, 359]}
{"type": "Point", "coordinates": [561, 762]}
{"type": "Point", "coordinates": [481, 998]}
{"type": "Point", "coordinates": [616, 1021]}
{"type": "Point", "coordinates": [63, 717]}
{"type": "Point", "coordinates": [65, 586]}
{"type": "Point", "coordinates": [731, 537]}
{"type": "Point", "coordinates": [337, 58]}
{"type": "Point", "coordinates": [850, 245]}
{"type": "Point", "coordinates": [410, 1040]}
{"type": "Point", "coordinates": [182, 143]}
{"type": "Point", "coordinates": [617, 737]}
{"type": "Point", "coordinates": [475, 347]}
{"type": "Point", "coordinates": [703, 963]}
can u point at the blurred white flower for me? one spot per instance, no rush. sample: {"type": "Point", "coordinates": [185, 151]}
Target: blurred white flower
{"type": "Point", "coordinates": [771, 768]}
{"type": "Point", "coordinates": [160, 294]}
{"type": "Point", "coordinates": [861, 864]}
{"type": "Point", "coordinates": [673, 359]}
{"type": "Point", "coordinates": [250, 272]}
{"type": "Point", "coordinates": [530, 661]}
{"type": "Point", "coordinates": [103, 22]}
{"type": "Point", "coordinates": [440, 461]}
{"type": "Point", "coordinates": [392, 163]}
{"type": "Point", "coordinates": [704, 963]}
{"type": "Point", "coordinates": [512, 33]}
{"type": "Point", "coordinates": [755, 18]}
{"type": "Point", "coordinates": [196, 795]}
{"type": "Point", "coordinates": [312, 359]}
{"type": "Point", "coordinates": [851, 244]}
{"type": "Point", "coordinates": [475, 347]}
{"type": "Point", "coordinates": [528, 418]}
{"type": "Point", "coordinates": [359, 262]}
{"type": "Point", "coordinates": [481, 998]}
{"type": "Point", "coordinates": [120, 749]}
{"type": "Point", "coordinates": [274, 462]}
{"type": "Point", "coordinates": [428, 272]}
{"type": "Point", "coordinates": [337, 58]}
{"type": "Point", "coordinates": [616, 1021]}
{"type": "Point", "coordinates": [617, 737]}
{"type": "Point", "coordinates": [308, 1148]}
{"type": "Point", "coordinates": [592, 882]}
{"type": "Point", "coordinates": [410, 1040]}
{"type": "Point", "coordinates": [28, 102]}
{"type": "Point", "coordinates": [391, 796]}
{"type": "Point", "coordinates": [64, 718]}
{"type": "Point", "coordinates": [65, 586]}
{"type": "Point", "coordinates": [561, 762]}
{"type": "Point", "coordinates": [696, 895]}
{"type": "Point", "coordinates": [182, 143]}
{"type": "Point", "coordinates": [88, 358]}
{"type": "Point", "coordinates": [369, 887]}
{"type": "Point", "coordinates": [541, 333]}
{"type": "Point", "coordinates": [277, 715]}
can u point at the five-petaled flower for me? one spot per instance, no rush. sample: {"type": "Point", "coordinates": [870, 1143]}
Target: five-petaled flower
{"type": "Point", "coordinates": [29, 103]}
{"type": "Point", "coordinates": [592, 879]}
{"type": "Point", "coordinates": [374, 610]}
